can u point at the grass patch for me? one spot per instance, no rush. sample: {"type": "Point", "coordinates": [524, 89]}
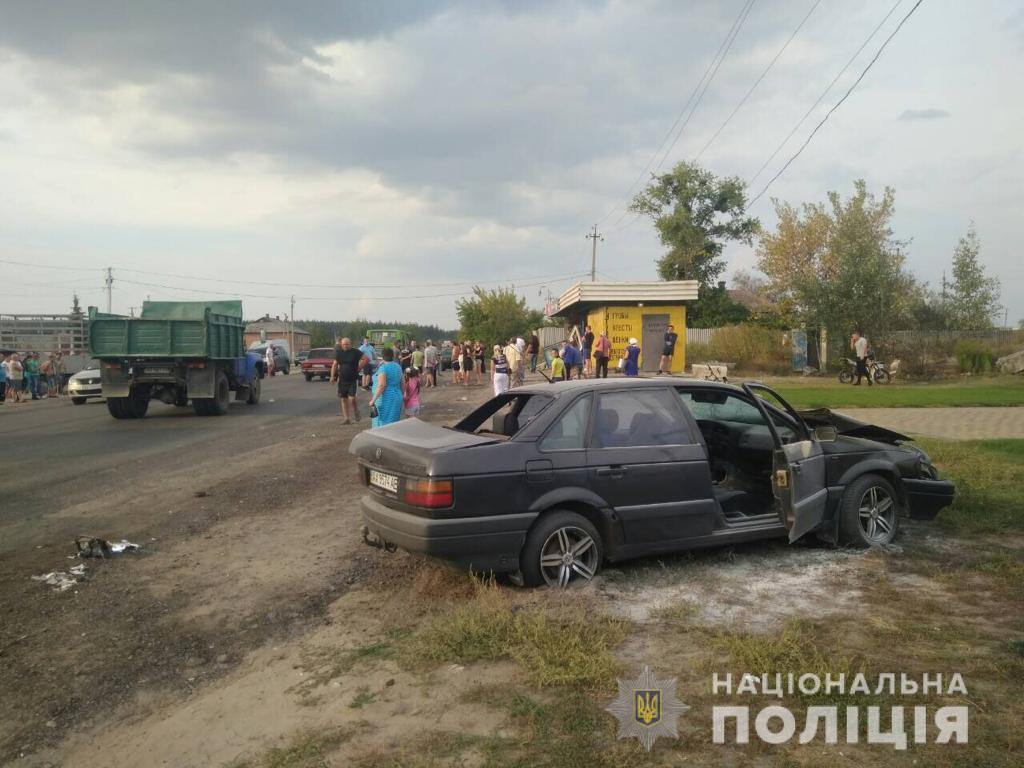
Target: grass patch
{"type": "Point", "coordinates": [794, 650]}
{"type": "Point", "coordinates": [362, 698]}
{"type": "Point", "coordinates": [566, 730]}
{"type": "Point", "coordinates": [571, 649]}
{"type": "Point", "coordinates": [308, 750]}
{"type": "Point", "coordinates": [989, 483]}
{"type": "Point", "coordinates": [1008, 391]}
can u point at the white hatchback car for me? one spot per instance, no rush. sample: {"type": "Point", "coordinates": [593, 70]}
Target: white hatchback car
{"type": "Point", "coordinates": [85, 384]}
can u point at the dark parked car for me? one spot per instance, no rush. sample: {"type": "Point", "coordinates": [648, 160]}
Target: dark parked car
{"type": "Point", "coordinates": [547, 482]}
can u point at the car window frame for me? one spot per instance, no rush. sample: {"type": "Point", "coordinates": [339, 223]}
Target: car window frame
{"type": "Point", "coordinates": [680, 388]}
{"type": "Point", "coordinates": [695, 435]}
{"type": "Point", "coordinates": [561, 414]}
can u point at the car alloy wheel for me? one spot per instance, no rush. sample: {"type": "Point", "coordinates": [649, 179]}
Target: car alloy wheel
{"type": "Point", "coordinates": [877, 512]}
{"type": "Point", "coordinates": [568, 553]}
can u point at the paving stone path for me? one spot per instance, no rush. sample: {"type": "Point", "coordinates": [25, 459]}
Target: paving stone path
{"type": "Point", "coordinates": [948, 423]}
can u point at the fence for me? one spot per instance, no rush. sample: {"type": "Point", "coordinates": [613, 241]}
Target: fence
{"type": "Point", "coordinates": [700, 335]}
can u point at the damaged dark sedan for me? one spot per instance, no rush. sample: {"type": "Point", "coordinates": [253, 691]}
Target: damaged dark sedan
{"type": "Point", "coordinates": [549, 482]}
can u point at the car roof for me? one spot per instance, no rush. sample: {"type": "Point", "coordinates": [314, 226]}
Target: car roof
{"type": "Point", "coordinates": [579, 385]}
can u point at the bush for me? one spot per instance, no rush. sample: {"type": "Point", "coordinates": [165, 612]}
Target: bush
{"type": "Point", "coordinates": [746, 347]}
{"type": "Point", "coordinates": [974, 356]}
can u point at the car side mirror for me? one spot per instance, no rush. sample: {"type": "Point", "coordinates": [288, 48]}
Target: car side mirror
{"type": "Point", "coordinates": [826, 434]}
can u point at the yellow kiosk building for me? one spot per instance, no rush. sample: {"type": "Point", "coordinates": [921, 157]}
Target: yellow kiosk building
{"type": "Point", "coordinates": [632, 310]}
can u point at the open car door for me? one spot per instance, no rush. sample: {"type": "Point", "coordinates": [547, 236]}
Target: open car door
{"type": "Point", "coordinates": [798, 469]}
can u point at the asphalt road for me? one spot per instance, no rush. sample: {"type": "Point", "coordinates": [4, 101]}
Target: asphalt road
{"type": "Point", "coordinates": [54, 454]}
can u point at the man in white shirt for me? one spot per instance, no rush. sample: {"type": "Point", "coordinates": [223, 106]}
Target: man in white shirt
{"type": "Point", "coordinates": [860, 351]}
{"type": "Point", "coordinates": [514, 359]}
{"type": "Point", "coordinates": [520, 371]}
{"type": "Point", "coordinates": [431, 359]}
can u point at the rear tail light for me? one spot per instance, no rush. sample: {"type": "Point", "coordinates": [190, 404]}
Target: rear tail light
{"type": "Point", "coordinates": [196, 364]}
{"type": "Point", "coordinates": [428, 493]}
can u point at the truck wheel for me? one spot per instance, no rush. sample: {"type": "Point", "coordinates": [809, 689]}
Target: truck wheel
{"type": "Point", "coordinates": [562, 547]}
{"type": "Point", "coordinates": [869, 512]}
{"type": "Point", "coordinates": [222, 395]}
{"type": "Point", "coordinates": [254, 391]}
{"type": "Point", "coordinates": [137, 405]}
{"type": "Point", "coordinates": [309, 377]}
{"type": "Point", "coordinates": [78, 400]}
{"type": "Point", "coordinates": [116, 407]}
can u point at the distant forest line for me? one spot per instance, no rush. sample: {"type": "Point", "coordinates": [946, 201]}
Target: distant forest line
{"type": "Point", "coordinates": [323, 333]}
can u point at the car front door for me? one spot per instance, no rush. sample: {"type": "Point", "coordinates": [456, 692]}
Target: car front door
{"type": "Point", "coordinates": [798, 476]}
{"type": "Point", "coordinates": [646, 463]}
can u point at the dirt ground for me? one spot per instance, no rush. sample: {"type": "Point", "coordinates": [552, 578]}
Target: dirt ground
{"type": "Point", "coordinates": [253, 618]}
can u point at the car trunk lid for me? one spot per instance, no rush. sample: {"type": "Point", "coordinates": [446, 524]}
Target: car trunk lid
{"type": "Point", "coordinates": [409, 445]}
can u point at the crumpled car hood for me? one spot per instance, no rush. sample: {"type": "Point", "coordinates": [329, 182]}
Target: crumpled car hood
{"type": "Point", "coordinates": [851, 427]}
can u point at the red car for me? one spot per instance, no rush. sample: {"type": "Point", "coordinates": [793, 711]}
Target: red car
{"type": "Point", "coordinates": [318, 363]}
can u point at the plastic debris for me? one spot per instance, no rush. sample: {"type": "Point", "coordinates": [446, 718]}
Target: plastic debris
{"type": "Point", "coordinates": [93, 546]}
{"type": "Point", "coordinates": [62, 580]}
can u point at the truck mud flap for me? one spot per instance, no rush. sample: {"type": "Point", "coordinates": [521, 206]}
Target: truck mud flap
{"type": "Point", "coordinates": [115, 380]}
{"type": "Point", "coordinates": [200, 382]}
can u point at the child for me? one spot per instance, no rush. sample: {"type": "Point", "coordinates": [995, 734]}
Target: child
{"type": "Point", "coordinates": [412, 392]}
{"type": "Point", "coordinates": [558, 367]}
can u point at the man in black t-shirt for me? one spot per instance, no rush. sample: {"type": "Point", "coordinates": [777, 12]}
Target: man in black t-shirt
{"type": "Point", "coordinates": [347, 364]}
{"type": "Point", "coordinates": [668, 348]}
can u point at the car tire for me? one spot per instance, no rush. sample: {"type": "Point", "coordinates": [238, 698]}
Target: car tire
{"type": "Point", "coordinates": [552, 537]}
{"type": "Point", "coordinates": [78, 400]}
{"type": "Point", "coordinates": [845, 377]}
{"type": "Point", "coordinates": [869, 512]}
{"type": "Point", "coordinates": [254, 391]}
{"type": "Point", "coordinates": [309, 377]}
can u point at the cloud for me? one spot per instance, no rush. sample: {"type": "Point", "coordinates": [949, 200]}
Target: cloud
{"type": "Point", "coordinates": [435, 140]}
{"type": "Point", "coordinates": [923, 114]}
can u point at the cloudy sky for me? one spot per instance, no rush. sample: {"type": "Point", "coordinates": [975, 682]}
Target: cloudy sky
{"type": "Point", "coordinates": [377, 158]}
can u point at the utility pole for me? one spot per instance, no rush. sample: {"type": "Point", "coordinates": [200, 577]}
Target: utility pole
{"type": "Point", "coordinates": [595, 236]}
{"type": "Point", "coordinates": [291, 328]}
{"type": "Point", "coordinates": [110, 287]}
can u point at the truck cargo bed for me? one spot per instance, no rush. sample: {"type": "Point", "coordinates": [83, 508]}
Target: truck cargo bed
{"type": "Point", "coordinates": [194, 329]}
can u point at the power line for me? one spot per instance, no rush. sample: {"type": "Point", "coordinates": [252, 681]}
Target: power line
{"type": "Point", "coordinates": [707, 84]}
{"type": "Point", "coordinates": [757, 82]}
{"type": "Point", "coordinates": [334, 298]}
{"type": "Point", "coordinates": [643, 172]}
{"type": "Point", "coordinates": [329, 285]}
{"type": "Point", "coordinates": [837, 104]}
{"type": "Point", "coordinates": [277, 282]}
{"type": "Point", "coordinates": [825, 92]}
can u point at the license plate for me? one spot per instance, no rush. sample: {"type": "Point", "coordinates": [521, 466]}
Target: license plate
{"type": "Point", "coordinates": [321, 367]}
{"type": "Point", "coordinates": [384, 481]}
{"type": "Point", "coordinates": [158, 370]}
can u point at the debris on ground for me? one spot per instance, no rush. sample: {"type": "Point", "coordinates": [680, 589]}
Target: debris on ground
{"type": "Point", "coordinates": [62, 580]}
{"type": "Point", "coordinates": [93, 546]}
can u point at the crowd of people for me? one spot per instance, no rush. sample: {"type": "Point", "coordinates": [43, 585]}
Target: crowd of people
{"type": "Point", "coordinates": [32, 377]}
{"type": "Point", "coordinates": [396, 375]}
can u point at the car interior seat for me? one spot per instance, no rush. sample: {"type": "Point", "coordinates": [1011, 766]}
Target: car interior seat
{"type": "Point", "coordinates": [606, 430]}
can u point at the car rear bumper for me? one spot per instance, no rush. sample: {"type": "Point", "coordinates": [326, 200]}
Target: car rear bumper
{"type": "Point", "coordinates": [479, 543]}
{"type": "Point", "coordinates": [925, 498]}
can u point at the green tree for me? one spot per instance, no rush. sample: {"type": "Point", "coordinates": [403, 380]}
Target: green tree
{"type": "Point", "coordinates": [696, 214]}
{"type": "Point", "coordinates": [974, 296]}
{"type": "Point", "coordinates": [715, 308]}
{"type": "Point", "coordinates": [495, 316]}
{"type": "Point", "coordinates": [839, 264]}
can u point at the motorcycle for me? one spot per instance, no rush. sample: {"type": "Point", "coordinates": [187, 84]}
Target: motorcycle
{"type": "Point", "coordinates": [876, 370]}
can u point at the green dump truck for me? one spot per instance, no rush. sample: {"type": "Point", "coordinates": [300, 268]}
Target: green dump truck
{"type": "Point", "coordinates": [176, 352]}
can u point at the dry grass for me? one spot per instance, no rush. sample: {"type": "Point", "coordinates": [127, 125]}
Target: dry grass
{"type": "Point", "coordinates": [574, 648]}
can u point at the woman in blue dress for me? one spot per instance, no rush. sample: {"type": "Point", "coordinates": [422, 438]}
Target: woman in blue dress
{"type": "Point", "coordinates": [632, 358]}
{"type": "Point", "coordinates": [388, 390]}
